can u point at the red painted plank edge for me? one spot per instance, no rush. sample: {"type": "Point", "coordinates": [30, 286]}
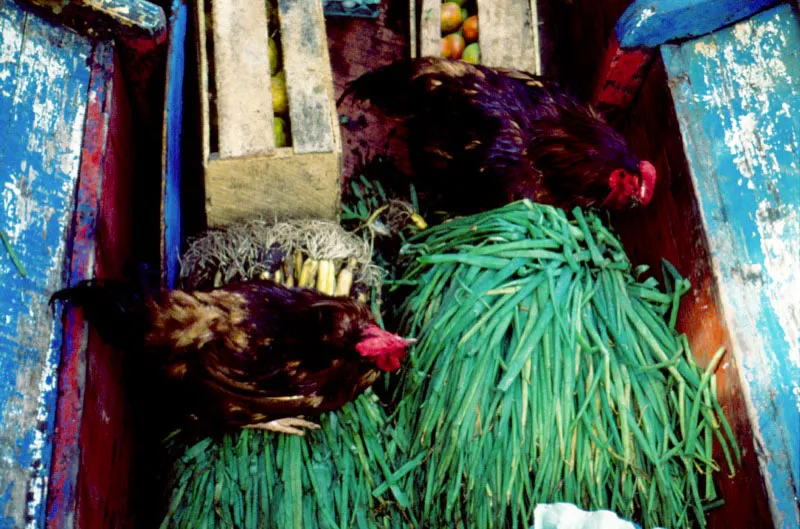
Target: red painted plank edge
{"type": "Point", "coordinates": [66, 451]}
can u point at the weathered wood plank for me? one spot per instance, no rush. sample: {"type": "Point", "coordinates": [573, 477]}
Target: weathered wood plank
{"type": "Point", "coordinates": [298, 181]}
{"type": "Point", "coordinates": [62, 493]}
{"type": "Point", "coordinates": [241, 67]}
{"type": "Point", "coordinates": [125, 19]}
{"type": "Point", "coordinates": [43, 86]}
{"type": "Point", "coordinates": [736, 96]}
{"type": "Point", "coordinates": [651, 23]}
{"type": "Point", "coordinates": [284, 185]}
{"type": "Point", "coordinates": [647, 24]}
{"type": "Point", "coordinates": [309, 81]}
{"type": "Point", "coordinates": [430, 28]}
{"type": "Point", "coordinates": [509, 34]}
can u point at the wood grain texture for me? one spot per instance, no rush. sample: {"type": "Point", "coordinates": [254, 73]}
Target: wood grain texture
{"type": "Point", "coordinates": [44, 80]}
{"type": "Point", "coordinates": [105, 19]}
{"type": "Point", "coordinates": [736, 97]}
{"type": "Point", "coordinates": [111, 457]}
{"type": "Point", "coordinates": [62, 493]}
{"type": "Point", "coordinates": [309, 81]}
{"type": "Point", "coordinates": [298, 181]}
{"type": "Point", "coordinates": [430, 28]}
{"type": "Point", "coordinates": [285, 185]}
{"type": "Point", "coordinates": [241, 67]}
{"type": "Point", "coordinates": [509, 34]}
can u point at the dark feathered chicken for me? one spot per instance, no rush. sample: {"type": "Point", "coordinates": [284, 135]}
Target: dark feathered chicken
{"type": "Point", "coordinates": [484, 137]}
{"type": "Point", "coordinates": [250, 352]}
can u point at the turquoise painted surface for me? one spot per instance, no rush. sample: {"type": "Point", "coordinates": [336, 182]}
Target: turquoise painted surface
{"type": "Point", "coordinates": [737, 96]}
{"type": "Point", "coordinates": [43, 83]}
{"type": "Point", "coordinates": [650, 23]}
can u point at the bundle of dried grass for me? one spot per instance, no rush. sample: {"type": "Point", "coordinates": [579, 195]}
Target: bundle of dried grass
{"type": "Point", "coordinates": [307, 253]}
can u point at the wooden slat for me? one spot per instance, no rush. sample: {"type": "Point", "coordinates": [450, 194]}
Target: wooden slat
{"type": "Point", "coordinates": [509, 35]}
{"type": "Point", "coordinates": [202, 74]}
{"type": "Point", "coordinates": [241, 66]}
{"type": "Point", "coordinates": [430, 29]}
{"type": "Point", "coordinates": [309, 81]}
{"type": "Point", "coordinates": [284, 185]}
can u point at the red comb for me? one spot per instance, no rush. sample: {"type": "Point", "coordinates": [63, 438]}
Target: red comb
{"type": "Point", "coordinates": [385, 349]}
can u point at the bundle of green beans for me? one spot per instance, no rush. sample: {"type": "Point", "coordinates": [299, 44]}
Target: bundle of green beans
{"type": "Point", "coordinates": [252, 479]}
{"type": "Point", "coordinates": [546, 372]}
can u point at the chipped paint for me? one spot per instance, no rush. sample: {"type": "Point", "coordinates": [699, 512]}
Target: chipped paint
{"type": "Point", "coordinates": [43, 83]}
{"type": "Point", "coordinates": [643, 16]}
{"type": "Point", "coordinates": [736, 99]}
{"type": "Point", "coordinates": [779, 231]}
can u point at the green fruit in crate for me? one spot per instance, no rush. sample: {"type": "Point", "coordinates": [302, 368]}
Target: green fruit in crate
{"type": "Point", "coordinates": [472, 54]}
{"type": "Point", "coordinates": [280, 101]}
{"type": "Point", "coordinates": [450, 17]}
{"type": "Point", "coordinates": [274, 58]}
{"type": "Point", "coordinates": [279, 128]}
{"type": "Point", "coordinates": [464, 13]}
{"type": "Point", "coordinates": [459, 2]}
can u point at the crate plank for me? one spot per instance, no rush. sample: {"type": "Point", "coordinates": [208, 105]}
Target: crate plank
{"type": "Point", "coordinates": [241, 63]}
{"type": "Point", "coordinates": [294, 186]}
{"type": "Point", "coordinates": [309, 81]}
{"type": "Point", "coordinates": [297, 181]}
{"type": "Point", "coordinates": [509, 34]}
{"type": "Point", "coordinates": [430, 28]}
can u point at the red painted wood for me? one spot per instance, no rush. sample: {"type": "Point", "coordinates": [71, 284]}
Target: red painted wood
{"type": "Point", "coordinates": [669, 228]}
{"type": "Point", "coordinates": [66, 447]}
{"type": "Point", "coordinates": [620, 77]}
{"type": "Point", "coordinates": [92, 454]}
{"type": "Point", "coordinates": [107, 436]}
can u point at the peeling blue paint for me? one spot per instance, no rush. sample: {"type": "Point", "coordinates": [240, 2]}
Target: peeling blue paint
{"type": "Point", "coordinates": [737, 97]}
{"type": "Point", "coordinates": [43, 90]}
{"type": "Point", "coordinates": [651, 23]}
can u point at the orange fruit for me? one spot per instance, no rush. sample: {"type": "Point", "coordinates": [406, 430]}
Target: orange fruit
{"type": "Point", "coordinates": [451, 17]}
{"type": "Point", "coordinates": [472, 54]}
{"type": "Point", "coordinates": [470, 29]}
{"type": "Point", "coordinates": [453, 46]}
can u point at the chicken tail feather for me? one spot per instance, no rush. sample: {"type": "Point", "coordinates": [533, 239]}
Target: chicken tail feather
{"type": "Point", "coordinates": [115, 308]}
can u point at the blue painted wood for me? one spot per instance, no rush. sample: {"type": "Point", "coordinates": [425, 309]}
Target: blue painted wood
{"type": "Point", "coordinates": [173, 225]}
{"type": "Point", "coordinates": [650, 23]}
{"type": "Point", "coordinates": [43, 85]}
{"type": "Point", "coordinates": [737, 97]}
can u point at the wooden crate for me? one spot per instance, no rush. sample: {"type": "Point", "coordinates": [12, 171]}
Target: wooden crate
{"type": "Point", "coordinates": [245, 174]}
{"type": "Point", "coordinates": [509, 32]}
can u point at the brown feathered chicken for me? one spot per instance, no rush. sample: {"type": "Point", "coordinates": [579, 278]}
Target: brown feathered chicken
{"type": "Point", "coordinates": [252, 354]}
{"type": "Point", "coordinates": [482, 137]}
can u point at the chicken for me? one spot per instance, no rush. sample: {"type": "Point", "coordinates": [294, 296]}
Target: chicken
{"type": "Point", "coordinates": [482, 137]}
{"type": "Point", "coordinates": [252, 354]}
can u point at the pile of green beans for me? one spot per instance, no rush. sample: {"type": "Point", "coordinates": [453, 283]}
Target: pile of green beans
{"type": "Point", "coordinates": [253, 479]}
{"type": "Point", "coordinates": [546, 372]}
